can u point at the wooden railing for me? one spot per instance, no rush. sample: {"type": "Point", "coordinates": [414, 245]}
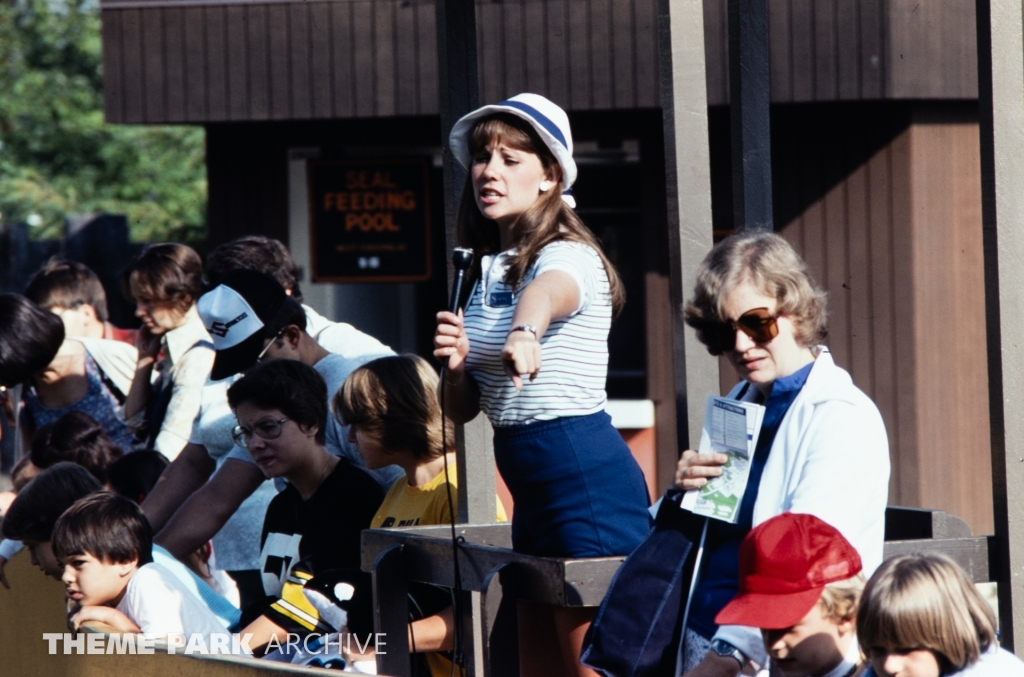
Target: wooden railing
{"type": "Point", "coordinates": [35, 605]}
{"type": "Point", "coordinates": [494, 577]}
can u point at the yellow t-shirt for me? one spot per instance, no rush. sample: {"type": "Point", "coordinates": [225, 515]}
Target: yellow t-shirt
{"type": "Point", "coordinates": [406, 506]}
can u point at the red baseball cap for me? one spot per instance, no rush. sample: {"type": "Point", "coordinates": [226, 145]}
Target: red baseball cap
{"type": "Point", "coordinates": [785, 563]}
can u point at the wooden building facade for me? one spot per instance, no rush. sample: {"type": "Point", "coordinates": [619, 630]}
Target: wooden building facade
{"type": "Point", "coordinates": [876, 169]}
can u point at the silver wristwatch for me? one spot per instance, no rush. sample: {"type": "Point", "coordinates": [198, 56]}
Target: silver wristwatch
{"type": "Point", "coordinates": [726, 650]}
{"type": "Point", "coordinates": [524, 327]}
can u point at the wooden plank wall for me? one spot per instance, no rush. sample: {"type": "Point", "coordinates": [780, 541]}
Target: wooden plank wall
{"type": "Point", "coordinates": [583, 54]}
{"type": "Point", "coordinates": [897, 245]}
{"type": "Point", "coordinates": [365, 58]}
{"type": "Point", "coordinates": [954, 466]}
{"type": "Point", "coordinates": [291, 61]}
{"type": "Point", "coordinates": [186, 61]}
{"type": "Point", "coordinates": [843, 50]}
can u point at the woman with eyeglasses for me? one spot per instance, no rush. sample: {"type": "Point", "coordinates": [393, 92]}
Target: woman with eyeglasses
{"type": "Point", "coordinates": [822, 448]}
{"type": "Point", "coordinates": [314, 524]}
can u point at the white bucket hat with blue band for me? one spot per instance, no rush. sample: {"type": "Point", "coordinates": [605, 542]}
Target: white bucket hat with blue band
{"type": "Point", "coordinates": [547, 119]}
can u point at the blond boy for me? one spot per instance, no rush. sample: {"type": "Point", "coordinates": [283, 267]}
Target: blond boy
{"type": "Point", "coordinates": [800, 583]}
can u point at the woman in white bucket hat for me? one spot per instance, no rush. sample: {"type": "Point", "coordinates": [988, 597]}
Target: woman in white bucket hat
{"type": "Point", "coordinates": [532, 353]}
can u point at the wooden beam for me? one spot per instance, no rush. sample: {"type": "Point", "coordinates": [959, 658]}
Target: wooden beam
{"type": "Point", "coordinates": [460, 91]}
{"type": "Point", "coordinates": [459, 94]}
{"type": "Point", "coordinates": [688, 195]}
{"type": "Point", "coordinates": [499, 622]}
{"type": "Point", "coordinates": [390, 609]}
{"type": "Point", "coordinates": [428, 558]}
{"type": "Point", "coordinates": [1001, 109]}
{"type": "Point", "coordinates": [971, 553]}
{"type": "Point", "coordinates": [748, 111]}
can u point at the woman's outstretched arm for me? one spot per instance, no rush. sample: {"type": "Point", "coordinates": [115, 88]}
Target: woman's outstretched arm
{"type": "Point", "coordinates": [550, 296]}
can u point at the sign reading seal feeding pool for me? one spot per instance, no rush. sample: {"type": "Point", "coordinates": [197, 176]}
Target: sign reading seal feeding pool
{"type": "Point", "coordinates": [369, 220]}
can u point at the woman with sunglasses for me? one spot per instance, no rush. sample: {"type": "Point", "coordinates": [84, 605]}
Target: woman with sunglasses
{"type": "Point", "coordinates": [314, 524]}
{"type": "Point", "coordinates": [822, 448]}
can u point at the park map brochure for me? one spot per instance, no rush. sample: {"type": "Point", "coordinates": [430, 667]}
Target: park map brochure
{"type": "Point", "coordinates": [731, 427]}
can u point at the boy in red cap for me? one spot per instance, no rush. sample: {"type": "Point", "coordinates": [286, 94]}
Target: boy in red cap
{"type": "Point", "coordinates": [800, 582]}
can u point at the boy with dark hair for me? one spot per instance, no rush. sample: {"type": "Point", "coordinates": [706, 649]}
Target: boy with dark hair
{"type": "Point", "coordinates": [313, 526]}
{"type": "Point", "coordinates": [40, 504]}
{"type": "Point", "coordinates": [106, 544]}
{"type": "Point", "coordinates": [29, 339]}
{"type": "Point", "coordinates": [293, 388]}
{"type": "Point", "coordinates": [73, 292]}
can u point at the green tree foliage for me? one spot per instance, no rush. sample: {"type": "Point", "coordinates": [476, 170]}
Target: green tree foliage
{"type": "Point", "coordinates": [58, 156]}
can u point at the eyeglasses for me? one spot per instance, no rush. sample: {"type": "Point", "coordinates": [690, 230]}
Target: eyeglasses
{"type": "Point", "coordinates": [759, 324]}
{"type": "Point", "coordinates": [263, 352]}
{"type": "Point", "coordinates": [268, 429]}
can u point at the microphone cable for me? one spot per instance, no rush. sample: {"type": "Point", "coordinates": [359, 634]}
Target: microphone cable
{"type": "Point", "coordinates": [462, 259]}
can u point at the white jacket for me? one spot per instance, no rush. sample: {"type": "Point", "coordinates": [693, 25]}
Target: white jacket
{"type": "Point", "coordinates": [830, 458]}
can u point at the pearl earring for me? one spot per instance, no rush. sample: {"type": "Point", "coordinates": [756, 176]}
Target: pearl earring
{"type": "Point", "coordinates": [545, 186]}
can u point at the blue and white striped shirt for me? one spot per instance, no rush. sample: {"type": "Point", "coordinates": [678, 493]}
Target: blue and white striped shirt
{"type": "Point", "coordinates": [574, 353]}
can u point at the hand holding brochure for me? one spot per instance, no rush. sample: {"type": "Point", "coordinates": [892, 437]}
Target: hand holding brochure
{"type": "Point", "coordinates": [731, 427]}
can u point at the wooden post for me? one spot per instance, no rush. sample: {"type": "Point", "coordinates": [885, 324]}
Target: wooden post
{"type": "Point", "coordinates": [390, 603]}
{"type": "Point", "coordinates": [1001, 113]}
{"type": "Point", "coordinates": [748, 111]}
{"type": "Point", "coordinates": [688, 193]}
{"type": "Point", "coordinates": [460, 93]}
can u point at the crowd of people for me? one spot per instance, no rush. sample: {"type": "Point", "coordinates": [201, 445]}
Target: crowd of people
{"type": "Point", "coordinates": [213, 470]}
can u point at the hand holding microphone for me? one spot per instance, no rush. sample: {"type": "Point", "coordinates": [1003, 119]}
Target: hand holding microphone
{"type": "Point", "coordinates": [450, 341]}
{"type": "Point", "coordinates": [462, 259]}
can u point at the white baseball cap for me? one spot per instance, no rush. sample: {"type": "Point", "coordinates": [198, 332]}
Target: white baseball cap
{"type": "Point", "coordinates": [235, 312]}
{"type": "Point", "coordinates": [547, 119]}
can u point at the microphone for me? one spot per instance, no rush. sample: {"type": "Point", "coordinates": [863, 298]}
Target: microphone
{"type": "Point", "coordinates": [462, 259]}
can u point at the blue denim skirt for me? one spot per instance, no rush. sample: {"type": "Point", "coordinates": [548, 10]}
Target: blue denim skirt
{"type": "Point", "coordinates": [578, 491]}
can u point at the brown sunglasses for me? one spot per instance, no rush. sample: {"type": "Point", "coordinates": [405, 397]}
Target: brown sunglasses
{"type": "Point", "coordinates": [758, 323]}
